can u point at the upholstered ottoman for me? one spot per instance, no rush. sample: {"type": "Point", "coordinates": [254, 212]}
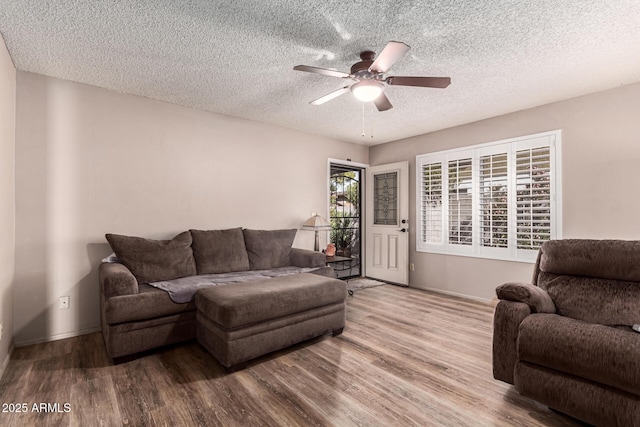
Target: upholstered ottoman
{"type": "Point", "coordinates": [241, 321]}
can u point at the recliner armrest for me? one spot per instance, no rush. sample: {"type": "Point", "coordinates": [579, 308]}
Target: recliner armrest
{"type": "Point", "coordinates": [536, 298]}
{"type": "Point", "coordinates": [506, 325]}
{"type": "Point", "coordinates": [306, 258]}
{"type": "Point", "coordinates": [116, 279]}
{"type": "Point", "coordinates": [517, 301]}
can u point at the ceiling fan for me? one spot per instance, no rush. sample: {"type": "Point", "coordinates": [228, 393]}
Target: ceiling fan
{"type": "Point", "coordinates": [369, 80]}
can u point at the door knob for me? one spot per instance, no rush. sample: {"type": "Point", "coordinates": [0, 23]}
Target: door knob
{"type": "Point", "coordinates": [403, 230]}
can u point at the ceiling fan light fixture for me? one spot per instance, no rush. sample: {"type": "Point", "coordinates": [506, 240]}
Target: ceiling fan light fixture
{"type": "Point", "coordinates": [367, 77]}
{"type": "Point", "coordinates": [367, 90]}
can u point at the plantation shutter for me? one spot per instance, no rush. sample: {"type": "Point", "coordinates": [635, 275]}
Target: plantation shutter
{"type": "Point", "coordinates": [498, 200]}
{"type": "Point", "coordinates": [533, 197]}
{"type": "Point", "coordinates": [431, 212]}
{"type": "Point", "coordinates": [494, 210]}
{"type": "Point", "coordinates": [460, 202]}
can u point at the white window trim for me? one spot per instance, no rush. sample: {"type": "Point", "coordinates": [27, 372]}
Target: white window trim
{"type": "Point", "coordinates": [511, 145]}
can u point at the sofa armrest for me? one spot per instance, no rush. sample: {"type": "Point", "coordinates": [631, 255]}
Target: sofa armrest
{"type": "Point", "coordinates": [506, 324]}
{"type": "Point", "coordinates": [536, 298]}
{"type": "Point", "coordinates": [116, 279]}
{"type": "Point", "coordinates": [326, 271]}
{"type": "Point", "coordinates": [306, 258]}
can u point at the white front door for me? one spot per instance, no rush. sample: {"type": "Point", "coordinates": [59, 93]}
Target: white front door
{"type": "Point", "coordinates": [387, 223]}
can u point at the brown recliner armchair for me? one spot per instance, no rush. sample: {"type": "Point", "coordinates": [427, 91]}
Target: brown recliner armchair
{"type": "Point", "coordinates": [566, 340]}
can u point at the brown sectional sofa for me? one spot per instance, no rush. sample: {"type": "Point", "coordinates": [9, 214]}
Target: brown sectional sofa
{"type": "Point", "coordinates": [566, 339]}
{"type": "Point", "coordinates": [136, 316]}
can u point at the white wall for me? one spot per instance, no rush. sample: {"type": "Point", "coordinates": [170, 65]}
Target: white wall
{"type": "Point", "coordinates": [601, 173]}
{"type": "Point", "coordinates": [7, 199]}
{"type": "Point", "coordinates": [91, 161]}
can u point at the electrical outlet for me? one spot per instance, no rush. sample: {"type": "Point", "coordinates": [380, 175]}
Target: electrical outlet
{"type": "Point", "coordinates": [64, 302]}
{"type": "Point", "coordinates": [412, 267]}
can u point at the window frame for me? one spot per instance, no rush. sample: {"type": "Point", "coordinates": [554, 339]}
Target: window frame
{"type": "Point", "coordinates": [510, 147]}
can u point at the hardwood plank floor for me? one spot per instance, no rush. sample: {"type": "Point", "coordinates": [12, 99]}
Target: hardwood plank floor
{"type": "Point", "coordinates": [406, 357]}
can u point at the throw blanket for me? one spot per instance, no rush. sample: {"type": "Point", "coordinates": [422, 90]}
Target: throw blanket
{"type": "Point", "coordinates": [182, 290]}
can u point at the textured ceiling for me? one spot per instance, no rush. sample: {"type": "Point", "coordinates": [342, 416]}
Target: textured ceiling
{"type": "Point", "coordinates": [235, 57]}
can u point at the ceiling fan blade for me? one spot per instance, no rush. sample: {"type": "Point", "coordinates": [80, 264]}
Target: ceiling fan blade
{"type": "Point", "coordinates": [382, 103]}
{"type": "Point", "coordinates": [437, 82]}
{"type": "Point", "coordinates": [323, 71]}
{"type": "Point", "coordinates": [391, 53]}
{"type": "Point", "coordinates": [330, 96]}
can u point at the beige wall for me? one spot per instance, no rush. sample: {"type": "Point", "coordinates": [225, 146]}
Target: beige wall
{"type": "Point", "coordinates": [90, 161]}
{"type": "Point", "coordinates": [600, 174]}
{"type": "Point", "coordinates": [7, 199]}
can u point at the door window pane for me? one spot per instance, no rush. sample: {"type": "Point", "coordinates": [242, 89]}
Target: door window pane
{"type": "Point", "coordinates": [385, 203]}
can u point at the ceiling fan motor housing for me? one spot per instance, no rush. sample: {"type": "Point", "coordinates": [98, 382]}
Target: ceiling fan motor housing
{"type": "Point", "coordinates": [360, 69]}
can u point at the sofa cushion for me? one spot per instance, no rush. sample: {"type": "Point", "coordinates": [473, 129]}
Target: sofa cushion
{"type": "Point", "coordinates": [241, 304]}
{"type": "Point", "coordinates": [154, 260]}
{"type": "Point", "coordinates": [219, 251]}
{"type": "Point", "coordinates": [608, 302]}
{"type": "Point", "coordinates": [269, 248]}
{"type": "Point", "coordinates": [594, 352]}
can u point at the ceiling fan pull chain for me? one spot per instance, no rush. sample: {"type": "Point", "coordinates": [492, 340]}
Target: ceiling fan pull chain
{"type": "Point", "coordinates": [363, 121]}
{"type": "Point", "coordinates": [371, 130]}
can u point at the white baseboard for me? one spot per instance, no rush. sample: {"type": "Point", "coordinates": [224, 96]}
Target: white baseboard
{"type": "Point", "coordinates": [57, 337]}
{"type": "Point", "coordinates": [453, 294]}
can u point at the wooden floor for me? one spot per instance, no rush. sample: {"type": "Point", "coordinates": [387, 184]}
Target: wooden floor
{"type": "Point", "coordinates": [406, 357]}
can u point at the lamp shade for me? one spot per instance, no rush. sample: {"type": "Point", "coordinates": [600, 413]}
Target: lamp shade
{"type": "Point", "coordinates": [316, 223]}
